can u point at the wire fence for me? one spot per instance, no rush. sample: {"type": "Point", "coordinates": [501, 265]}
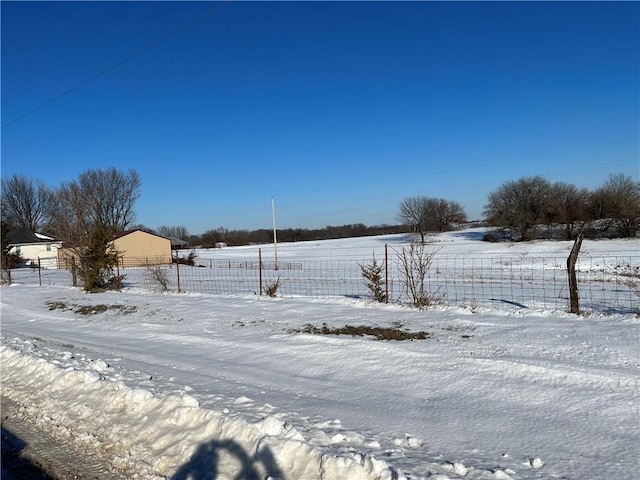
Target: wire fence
{"type": "Point", "coordinates": [607, 283]}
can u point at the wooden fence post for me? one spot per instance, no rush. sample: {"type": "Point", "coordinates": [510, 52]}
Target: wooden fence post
{"type": "Point", "coordinates": [74, 273]}
{"type": "Point", "coordinates": [9, 269]}
{"type": "Point", "coordinates": [39, 272]}
{"type": "Point", "coordinates": [571, 270]}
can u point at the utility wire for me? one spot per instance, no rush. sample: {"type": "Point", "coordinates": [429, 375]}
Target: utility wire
{"type": "Point", "coordinates": [207, 14]}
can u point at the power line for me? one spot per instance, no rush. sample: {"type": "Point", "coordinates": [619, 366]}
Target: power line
{"type": "Point", "coordinates": [186, 26]}
{"type": "Point", "coordinates": [51, 34]}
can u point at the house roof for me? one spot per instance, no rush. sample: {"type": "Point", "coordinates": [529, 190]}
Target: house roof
{"type": "Point", "coordinates": [124, 233]}
{"type": "Point", "coordinates": [178, 242]}
{"type": "Point", "coordinates": [23, 236]}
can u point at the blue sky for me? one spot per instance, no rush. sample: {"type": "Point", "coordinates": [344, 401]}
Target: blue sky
{"type": "Point", "coordinates": [338, 110]}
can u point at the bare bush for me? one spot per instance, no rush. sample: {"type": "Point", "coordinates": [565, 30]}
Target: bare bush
{"type": "Point", "coordinates": [415, 262]}
{"type": "Point", "coordinates": [632, 282]}
{"type": "Point", "coordinates": [271, 288]}
{"type": "Point", "coordinates": [159, 276]}
{"type": "Point", "coordinates": [189, 260]}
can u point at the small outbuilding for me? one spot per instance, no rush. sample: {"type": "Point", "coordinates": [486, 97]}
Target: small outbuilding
{"type": "Point", "coordinates": [135, 248]}
{"type": "Point", "coordinates": [178, 243]}
{"type": "Point", "coordinates": [138, 248]}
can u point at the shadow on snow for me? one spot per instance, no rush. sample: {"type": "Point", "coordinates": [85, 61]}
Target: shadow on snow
{"type": "Point", "coordinates": [205, 464]}
{"type": "Point", "coordinates": [15, 465]}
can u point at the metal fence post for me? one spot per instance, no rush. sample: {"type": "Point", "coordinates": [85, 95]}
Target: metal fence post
{"type": "Point", "coordinates": [260, 268]}
{"type": "Point", "coordinates": [386, 273]}
{"type": "Point", "coordinates": [39, 272]}
{"type": "Point", "coordinates": [178, 270]}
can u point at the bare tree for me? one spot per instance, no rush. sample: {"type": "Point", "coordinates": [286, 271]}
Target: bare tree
{"type": "Point", "coordinates": [85, 215]}
{"type": "Point", "coordinates": [25, 203]}
{"type": "Point", "coordinates": [71, 216]}
{"type": "Point", "coordinates": [180, 232]}
{"type": "Point", "coordinates": [440, 214]}
{"type": "Point", "coordinates": [427, 214]}
{"type": "Point", "coordinates": [519, 205]}
{"type": "Point", "coordinates": [570, 207]}
{"type": "Point", "coordinates": [112, 195]}
{"type": "Point", "coordinates": [618, 203]}
{"type": "Point", "coordinates": [103, 198]}
{"type": "Point", "coordinates": [412, 212]}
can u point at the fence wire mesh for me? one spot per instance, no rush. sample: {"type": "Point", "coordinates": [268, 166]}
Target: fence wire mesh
{"type": "Point", "coordinates": [608, 283]}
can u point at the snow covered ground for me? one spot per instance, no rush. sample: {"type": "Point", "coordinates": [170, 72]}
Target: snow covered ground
{"type": "Point", "coordinates": [236, 386]}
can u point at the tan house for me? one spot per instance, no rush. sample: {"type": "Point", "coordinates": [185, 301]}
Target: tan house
{"type": "Point", "coordinates": [138, 248]}
{"type": "Point", "coordinates": [135, 248]}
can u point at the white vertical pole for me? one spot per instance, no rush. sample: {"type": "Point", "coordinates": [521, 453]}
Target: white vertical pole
{"type": "Point", "coordinates": [275, 239]}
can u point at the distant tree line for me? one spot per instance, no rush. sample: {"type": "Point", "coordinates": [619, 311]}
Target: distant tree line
{"type": "Point", "coordinates": [213, 237]}
{"type": "Point", "coordinates": [533, 207]}
{"type": "Point", "coordinates": [240, 237]}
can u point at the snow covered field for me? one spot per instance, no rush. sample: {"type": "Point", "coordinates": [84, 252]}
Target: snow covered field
{"type": "Point", "coordinates": [464, 271]}
{"type": "Point", "coordinates": [236, 386]}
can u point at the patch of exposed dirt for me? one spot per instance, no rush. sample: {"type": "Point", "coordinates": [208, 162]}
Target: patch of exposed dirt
{"type": "Point", "coordinates": [379, 333]}
{"type": "Point", "coordinates": [90, 309]}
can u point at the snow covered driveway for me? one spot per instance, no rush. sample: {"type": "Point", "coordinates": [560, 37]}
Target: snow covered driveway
{"type": "Point", "coordinates": [173, 386]}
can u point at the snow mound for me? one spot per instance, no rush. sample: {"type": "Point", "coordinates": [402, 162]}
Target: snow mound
{"type": "Point", "coordinates": [134, 425]}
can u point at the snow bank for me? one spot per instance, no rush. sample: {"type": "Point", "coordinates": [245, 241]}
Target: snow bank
{"type": "Point", "coordinates": [145, 436]}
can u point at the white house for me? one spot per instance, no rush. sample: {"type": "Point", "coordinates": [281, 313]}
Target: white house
{"type": "Point", "coordinates": [33, 246]}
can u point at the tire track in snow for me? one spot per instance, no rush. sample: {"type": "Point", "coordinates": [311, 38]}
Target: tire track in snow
{"type": "Point", "coordinates": [537, 371]}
